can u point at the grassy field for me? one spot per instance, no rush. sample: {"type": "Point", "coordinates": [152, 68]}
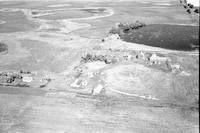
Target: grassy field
{"type": "Point", "coordinates": [15, 22]}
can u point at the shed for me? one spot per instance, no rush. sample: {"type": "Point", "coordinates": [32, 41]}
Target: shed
{"type": "Point", "coordinates": [27, 79]}
{"type": "Point", "coordinates": [156, 58]}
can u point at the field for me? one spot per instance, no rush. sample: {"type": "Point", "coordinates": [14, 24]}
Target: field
{"type": "Point", "coordinates": [78, 78]}
{"type": "Point", "coordinates": [167, 36]}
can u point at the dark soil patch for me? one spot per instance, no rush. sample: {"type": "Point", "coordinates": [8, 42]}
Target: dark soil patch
{"type": "Point", "coordinates": [175, 37]}
{"type": "Point", "coordinates": [3, 47]}
{"type": "Point", "coordinates": [99, 10]}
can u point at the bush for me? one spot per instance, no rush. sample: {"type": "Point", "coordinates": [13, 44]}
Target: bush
{"type": "Point", "coordinates": [188, 10]}
{"type": "Point", "coordinates": [191, 6]}
{"type": "Point", "coordinates": [137, 25]}
{"type": "Point", "coordinates": [91, 58]}
{"type": "Point", "coordinates": [3, 47]}
{"type": "Point", "coordinates": [196, 10]}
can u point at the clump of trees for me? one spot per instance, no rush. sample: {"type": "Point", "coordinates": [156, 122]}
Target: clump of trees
{"type": "Point", "coordinates": [91, 58]}
{"type": "Point", "coordinates": [121, 28]}
{"type": "Point", "coordinates": [185, 6]}
{"type": "Point", "coordinates": [196, 10]}
{"type": "Point", "coordinates": [3, 47]}
{"type": "Point", "coordinates": [188, 10]}
{"type": "Point", "coordinates": [190, 5]}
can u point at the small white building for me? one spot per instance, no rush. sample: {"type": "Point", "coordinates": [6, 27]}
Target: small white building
{"type": "Point", "coordinates": [155, 58]}
{"type": "Point", "coordinates": [97, 89]}
{"type": "Point", "coordinates": [176, 68]}
{"type": "Point", "coordinates": [27, 79]}
{"type": "Point", "coordinates": [142, 55]}
{"type": "Point", "coordinates": [76, 83]}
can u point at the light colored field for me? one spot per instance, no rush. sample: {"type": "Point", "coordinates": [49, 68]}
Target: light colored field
{"type": "Point", "coordinates": [194, 2]}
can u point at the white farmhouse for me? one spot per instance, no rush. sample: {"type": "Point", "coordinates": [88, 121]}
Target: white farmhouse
{"type": "Point", "coordinates": [155, 58]}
